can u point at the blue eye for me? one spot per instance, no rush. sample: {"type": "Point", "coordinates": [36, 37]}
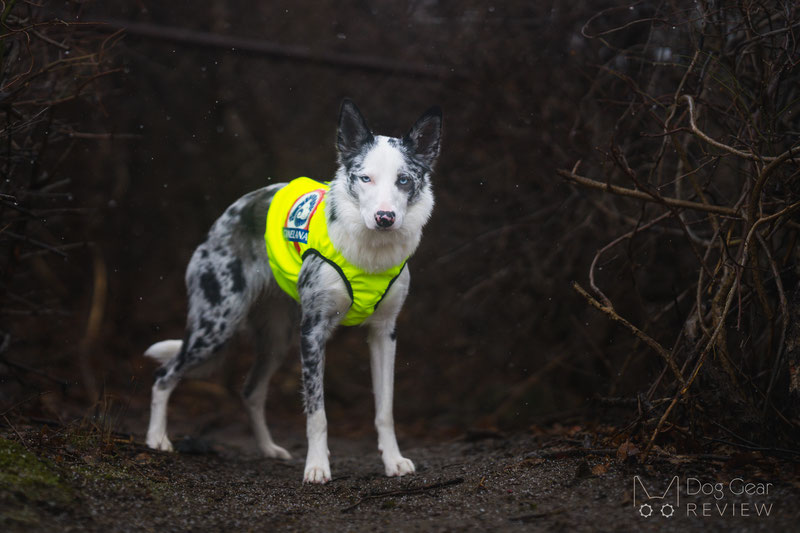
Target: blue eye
{"type": "Point", "coordinates": [365, 179]}
{"type": "Point", "coordinates": [402, 180]}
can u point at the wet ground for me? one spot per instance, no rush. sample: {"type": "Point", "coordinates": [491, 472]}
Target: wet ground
{"type": "Point", "coordinates": [563, 479]}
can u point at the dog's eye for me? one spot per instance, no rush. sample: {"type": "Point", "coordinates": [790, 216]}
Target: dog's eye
{"type": "Point", "coordinates": [365, 179]}
{"type": "Point", "coordinates": [402, 180]}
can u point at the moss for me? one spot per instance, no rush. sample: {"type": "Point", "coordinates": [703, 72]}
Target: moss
{"type": "Point", "coordinates": [27, 481]}
{"type": "Point", "coordinates": [84, 441]}
{"type": "Point", "coordinates": [20, 469]}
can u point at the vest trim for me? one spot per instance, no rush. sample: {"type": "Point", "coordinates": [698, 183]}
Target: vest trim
{"type": "Point", "coordinates": [314, 251]}
{"type": "Point", "coordinates": [389, 286]}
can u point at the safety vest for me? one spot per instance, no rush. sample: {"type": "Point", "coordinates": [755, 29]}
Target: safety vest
{"type": "Point", "coordinates": [297, 227]}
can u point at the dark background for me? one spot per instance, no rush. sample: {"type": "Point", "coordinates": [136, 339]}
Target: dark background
{"type": "Point", "coordinates": [492, 334]}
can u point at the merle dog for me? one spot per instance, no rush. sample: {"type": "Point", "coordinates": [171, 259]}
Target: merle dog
{"type": "Point", "coordinates": [374, 211]}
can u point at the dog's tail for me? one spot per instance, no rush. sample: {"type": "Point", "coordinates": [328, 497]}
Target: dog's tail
{"type": "Point", "coordinates": [164, 351]}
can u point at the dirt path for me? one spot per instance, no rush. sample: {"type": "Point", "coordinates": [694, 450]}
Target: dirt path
{"type": "Point", "coordinates": [481, 483]}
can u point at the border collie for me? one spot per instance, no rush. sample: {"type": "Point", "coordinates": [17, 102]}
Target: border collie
{"type": "Point", "coordinates": [339, 250]}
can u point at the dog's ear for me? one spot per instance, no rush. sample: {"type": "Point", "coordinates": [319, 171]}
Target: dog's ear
{"type": "Point", "coordinates": [425, 135]}
{"type": "Point", "coordinates": [353, 132]}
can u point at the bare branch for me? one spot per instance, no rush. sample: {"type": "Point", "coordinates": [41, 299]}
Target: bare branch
{"type": "Point", "coordinates": [640, 195]}
{"type": "Point", "coordinates": [647, 339]}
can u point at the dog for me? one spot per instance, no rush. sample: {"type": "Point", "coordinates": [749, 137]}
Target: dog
{"type": "Point", "coordinates": [299, 259]}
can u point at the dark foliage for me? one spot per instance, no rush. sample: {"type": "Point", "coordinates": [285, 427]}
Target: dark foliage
{"type": "Point", "coordinates": [695, 111]}
{"type": "Point", "coordinates": [49, 74]}
{"type": "Point", "coordinates": [214, 99]}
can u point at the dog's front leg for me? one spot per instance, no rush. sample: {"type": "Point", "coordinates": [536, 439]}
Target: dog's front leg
{"type": "Point", "coordinates": [324, 301]}
{"type": "Point", "coordinates": [382, 352]}
{"type": "Point", "coordinates": [313, 335]}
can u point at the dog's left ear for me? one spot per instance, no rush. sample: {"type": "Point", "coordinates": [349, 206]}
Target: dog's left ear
{"type": "Point", "coordinates": [425, 135]}
{"type": "Point", "coordinates": [353, 132]}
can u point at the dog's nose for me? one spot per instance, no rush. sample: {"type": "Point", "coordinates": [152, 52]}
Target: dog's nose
{"type": "Point", "coordinates": [384, 219]}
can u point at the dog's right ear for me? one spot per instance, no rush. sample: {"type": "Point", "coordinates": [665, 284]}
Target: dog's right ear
{"type": "Point", "coordinates": [353, 132]}
{"type": "Point", "coordinates": [425, 136]}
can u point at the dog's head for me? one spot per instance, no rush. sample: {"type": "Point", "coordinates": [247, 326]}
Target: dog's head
{"type": "Point", "coordinates": [388, 178]}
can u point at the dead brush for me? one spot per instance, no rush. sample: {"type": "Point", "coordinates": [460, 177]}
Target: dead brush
{"type": "Point", "coordinates": [699, 170]}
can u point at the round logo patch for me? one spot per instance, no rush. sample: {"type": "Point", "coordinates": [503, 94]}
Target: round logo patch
{"type": "Point", "coordinates": [296, 227]}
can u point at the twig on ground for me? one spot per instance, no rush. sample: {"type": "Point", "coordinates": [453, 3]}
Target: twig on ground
{"type": "Point", "coordinates": [14, 429]}
{"type": "Point", "coordinates": [570, 452]}
{"type": "Point", "coordinates": [410, 491]}
{"type": "Point", "coordinates": [534, 516]}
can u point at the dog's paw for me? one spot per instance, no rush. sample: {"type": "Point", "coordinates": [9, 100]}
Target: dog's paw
{"type": "Point", "coordinates": [398, 466]}
{"type": "Point", "coordinates": [159, 443]}
{"type": "Point", "coordinates": [317, 474]}
{"type": "Point", "coordinates": [273, 451]}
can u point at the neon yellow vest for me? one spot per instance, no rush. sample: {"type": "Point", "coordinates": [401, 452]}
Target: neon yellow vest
{"type": "Point", "coordinates": [297, 227]}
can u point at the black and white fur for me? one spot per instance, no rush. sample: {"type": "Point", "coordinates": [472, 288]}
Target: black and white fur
{"type": "Point", "coordinates": [377, 205]}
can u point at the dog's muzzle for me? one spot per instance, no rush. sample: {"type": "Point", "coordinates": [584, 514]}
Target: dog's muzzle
{"type": "Point", "coordinates": [384, 219]}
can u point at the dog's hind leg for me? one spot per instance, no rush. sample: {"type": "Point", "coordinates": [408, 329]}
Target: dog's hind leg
{"type": "Point", "coordinates": [272, 327]}
{"type": "Point", "coordinates": [198, 348]}
{"type": "Point", "coordinates": [219, 299]}
{"type": "Point", "coordinates": [204, 340]}
{"type": "Point", "coordinates": [157, 429]}
{"type": "Point", "coordinates": [162, 352]}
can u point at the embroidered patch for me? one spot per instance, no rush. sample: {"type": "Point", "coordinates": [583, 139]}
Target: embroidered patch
{"type": "Point", "coordinates": [297, 221]}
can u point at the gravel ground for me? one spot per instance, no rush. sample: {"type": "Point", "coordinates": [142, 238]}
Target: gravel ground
{"type": "Point", "coordinates": [477, 482]}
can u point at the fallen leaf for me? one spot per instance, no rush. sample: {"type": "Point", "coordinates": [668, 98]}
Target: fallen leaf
{"type": "Point", "coordinates": [626, 450]}
{"type": "Point", "coordinates": [142, 457]}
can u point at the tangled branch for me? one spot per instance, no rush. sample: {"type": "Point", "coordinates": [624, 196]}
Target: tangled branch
{"type": "Point", "coordinates": [738, 207]}
{"type": "Point", "coordinates": [45, 63]}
